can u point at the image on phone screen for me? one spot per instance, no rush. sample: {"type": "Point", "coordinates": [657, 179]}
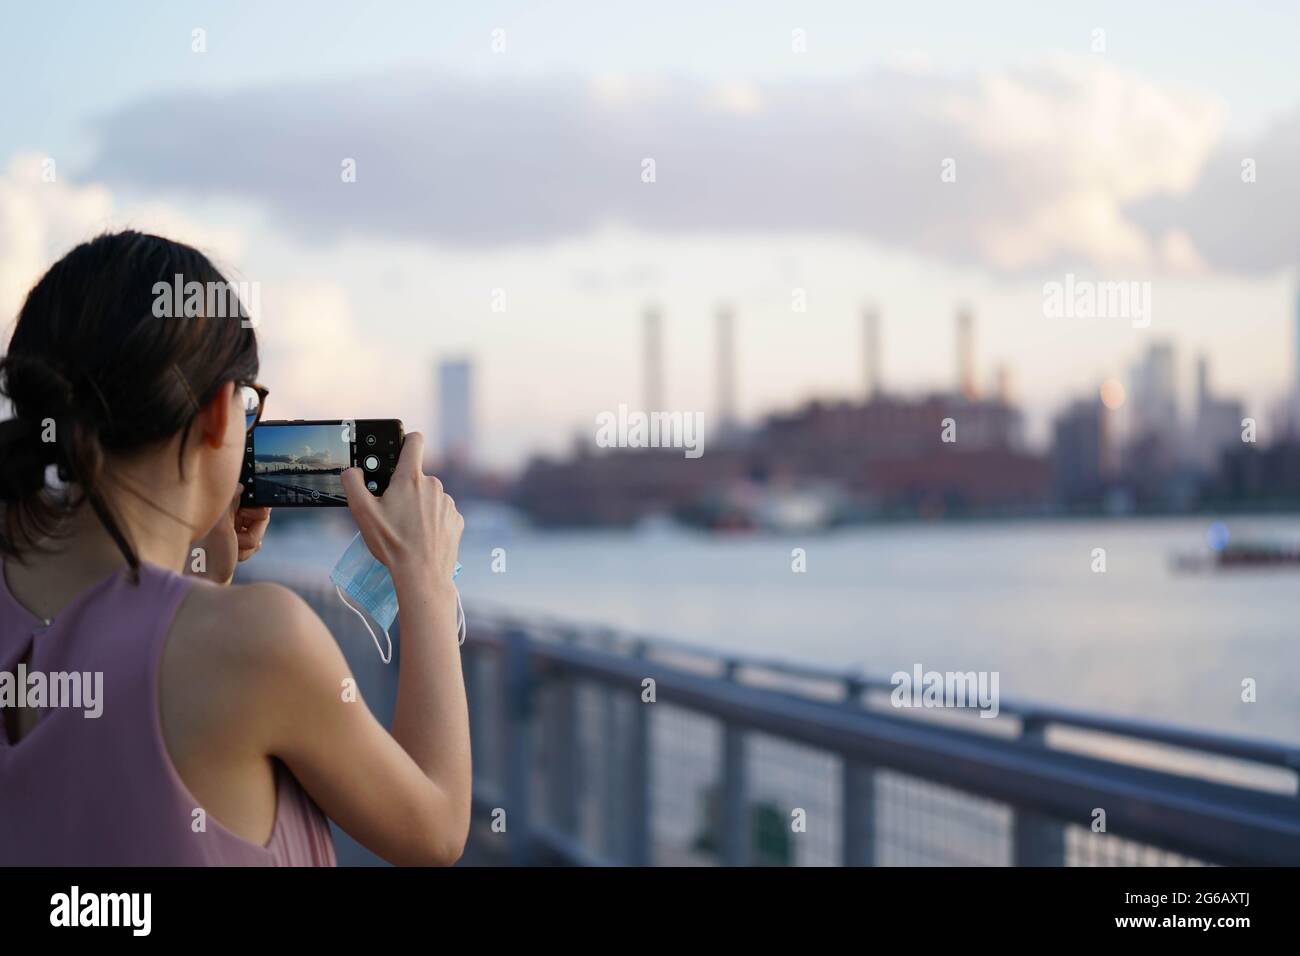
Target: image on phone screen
{"type": "Point", "coordinates": [300, 464]}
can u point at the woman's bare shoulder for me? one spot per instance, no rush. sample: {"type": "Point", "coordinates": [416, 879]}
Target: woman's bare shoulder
{"type": "Point", "coordinates": [237, 627]}
{"type": "Point", "coordinates": [244, 661]}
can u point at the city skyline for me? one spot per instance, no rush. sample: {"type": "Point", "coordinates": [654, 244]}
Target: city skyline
{"type": "Point", "coordinates": [320, 446]}
{"type": "Point", "coordinates": [1149, 394]}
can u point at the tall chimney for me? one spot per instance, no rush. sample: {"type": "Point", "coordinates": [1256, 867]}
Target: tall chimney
{"type": "Point", "coordinates": [1297, 342]}
{"type": "Point", "coordinates": [966, 354]}
{"type": "Point", "coordinates": [653, 359]}
{"type": "Point", "coordinates": [1002, 375]}
{"type": "Point", "coordinates": [1202, 384]}
{"type": "Point", "coordinates": [726, 325]}
{"type": "Point", "coordinates": [871, 351]}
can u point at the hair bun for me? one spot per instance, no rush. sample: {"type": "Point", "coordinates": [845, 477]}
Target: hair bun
{"type": "Point", "coordinates": [37, 389]}
{"type": "Point", "coordinates": [25, 458]}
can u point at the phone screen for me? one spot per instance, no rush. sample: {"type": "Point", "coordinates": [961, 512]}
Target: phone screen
{"type": "Point", "coordinates": [298, 463]}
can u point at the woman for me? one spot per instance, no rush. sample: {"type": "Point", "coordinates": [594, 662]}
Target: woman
{"type": "Point", "coordinates": [228, 718]}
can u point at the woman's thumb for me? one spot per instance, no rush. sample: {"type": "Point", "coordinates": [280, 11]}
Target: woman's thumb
{"type": "Point", "coordinates": [360, 501]}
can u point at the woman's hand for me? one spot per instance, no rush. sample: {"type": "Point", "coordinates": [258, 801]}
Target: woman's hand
{"type": "Point", "coordinates": [414, 528]}
{"type": "Point", "coordinates": [236, 536]}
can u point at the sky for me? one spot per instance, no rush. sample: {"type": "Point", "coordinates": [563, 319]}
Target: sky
{"type": "Point", "coordinates": [308, 444]}
{"type": "Point", "coordinates": [913, 157]}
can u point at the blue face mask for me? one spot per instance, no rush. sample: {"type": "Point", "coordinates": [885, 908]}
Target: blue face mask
{"type": "Point", "coordinates": [358, 575]}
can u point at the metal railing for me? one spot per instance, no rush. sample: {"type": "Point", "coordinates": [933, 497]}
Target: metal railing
{"type": "Point", "coordinates": [593, 747]}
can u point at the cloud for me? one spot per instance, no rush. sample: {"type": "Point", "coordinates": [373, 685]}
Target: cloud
{"type": "Point", "coordinates": [1243, 214]}
{"type": "Point", "coordinates": [43, 215]}
{"type": "Point", "coordinates": [321, 361]}
{"type": "Point", "coordinates": [1049, 158]}
{"type": "Point", "coordinates": [39, 219]}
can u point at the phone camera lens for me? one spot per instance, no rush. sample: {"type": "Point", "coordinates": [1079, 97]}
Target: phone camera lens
{"type": "Point", "coordinates": [371, 463]}
{"type": "Point", "coordinates": [370, 439]}
{"type": "Point", "coordinates": [372, 485]}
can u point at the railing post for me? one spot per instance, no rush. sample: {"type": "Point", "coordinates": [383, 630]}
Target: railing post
{"type": "Point", "coordinates": [733, 809]}
{"type": "Point", "coordinates": [858, 796]}
{"type": "Point", "coordinates": [613, 829]}
{"type": "Point", "coordinates": [1036, 840]}
{"type": "Point", "coordinates": [637, 777]}
{"type": "Point", "coordinates": [560, 743]}
{"type": "Point", "coordinates": [517, 744]}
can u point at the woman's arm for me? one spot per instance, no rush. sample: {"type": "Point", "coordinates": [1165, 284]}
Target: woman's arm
{"type": "Point", "coordinates": [405, 796]}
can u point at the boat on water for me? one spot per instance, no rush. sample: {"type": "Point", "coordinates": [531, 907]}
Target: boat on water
{"type": "Point", "coordinates": [746, 507]}
{"type": "Point", "coordinates": [1248, 554]}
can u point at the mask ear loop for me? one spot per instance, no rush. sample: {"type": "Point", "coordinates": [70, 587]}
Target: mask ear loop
{"type": "Point", "coordinates": [386, 658]}
{"type": "Point", "coordinates": [460, 619]}
{"type": "Point", "coordinates": [461, 626]}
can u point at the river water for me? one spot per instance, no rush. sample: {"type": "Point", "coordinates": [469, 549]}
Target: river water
{"type": "Point", "coordinates": [1021, 598]}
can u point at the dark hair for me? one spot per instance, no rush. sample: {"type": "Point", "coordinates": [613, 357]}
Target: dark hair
{"type": "Point", "coordinates": [90, 354]}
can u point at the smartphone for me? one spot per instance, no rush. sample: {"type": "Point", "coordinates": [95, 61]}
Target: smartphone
{"type": "Point", "coordinates": [296, 464]}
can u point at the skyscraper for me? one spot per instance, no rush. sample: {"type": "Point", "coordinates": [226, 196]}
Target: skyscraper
{"type": "Point", "coordinates": [1154, 398]}
{"type": "Point", "coordinates": [455, 411]}
{"type": "Point", "coordinates": [726, 320]}
{"type": "Point", "coordinates": [1218, 422]}
{"type": "Point", "coordinates": [1154, 442]}
{"type": "Point", "coordinates": [1079, 452]}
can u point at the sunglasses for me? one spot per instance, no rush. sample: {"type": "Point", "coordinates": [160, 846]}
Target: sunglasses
{"type": "Point", "coordinates": [254, 399]}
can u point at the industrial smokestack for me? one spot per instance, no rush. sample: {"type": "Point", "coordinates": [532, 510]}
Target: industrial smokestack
{"type": "Point", "coordinates": [1002, 375]}
{"type": "Point", "coordinates": [966, 385]}
{"type": "Point", "coordinates": [653, 359]}
{"type": "Point", "coordinates": [871, 351]}
{"type": "Point", "coordinates": [1202, 384]}
{"type": "Point", "coordinates": [726, 325]}
{"type": "Point", "coordinates": [1297, 342]}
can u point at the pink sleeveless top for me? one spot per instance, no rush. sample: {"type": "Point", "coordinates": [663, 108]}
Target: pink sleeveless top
{"type": "Point", "coordinates": [103, 791]}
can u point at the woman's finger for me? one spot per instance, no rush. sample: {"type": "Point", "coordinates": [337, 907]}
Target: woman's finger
{"type": "Point", "coordinates": [250, 527]}
{"type": "Point", "coordinates": [249, 517]}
